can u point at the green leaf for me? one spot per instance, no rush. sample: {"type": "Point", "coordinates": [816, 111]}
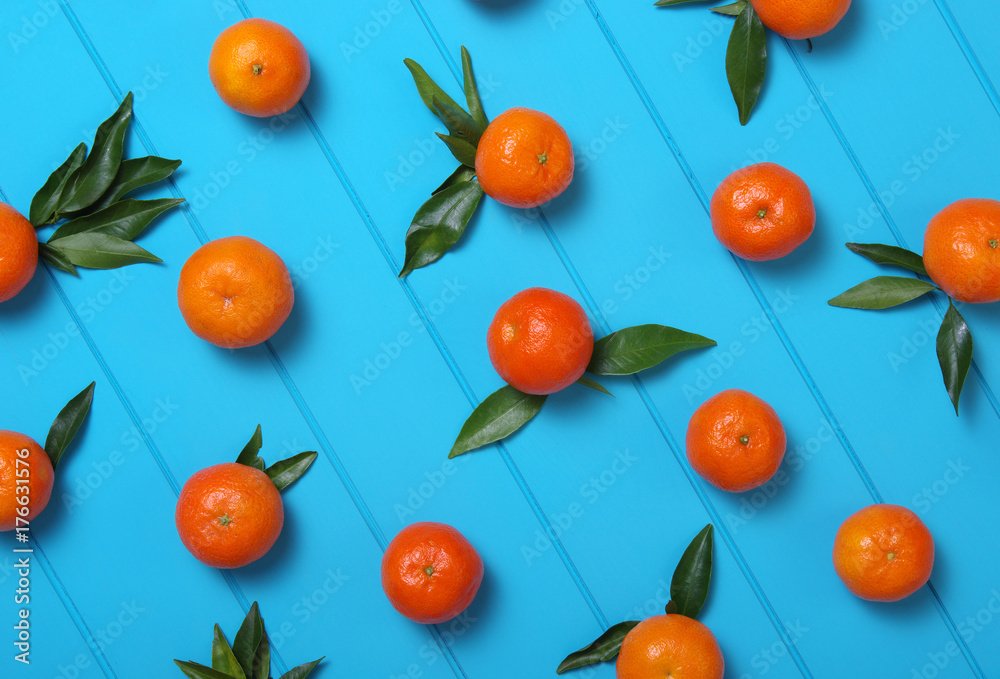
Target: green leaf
{"type": "Point", "coordinates": [439, 223]}
{"type": "Point", "coordinates": [671, 3]}
{"type": "Point", "coordinates": [596, 386]}
{"type": "Point", "coordinates": [286, 472]}
{"type": "Point", "coordinates": [56, 258]}
{"type": "Point", "coordinates": [689, 586]}
{"type": "Point", "coordinates": [248, 455]}
{"type": "Point", "coordinates": [882, 292]}
{"type": "Point", "coordinates": [746, 60]}
{"type": "Point", "coordinates": [67, 423]}
{"type": "Point", "coordinates": [464, 173]}
{"type": "Point", "coordinates": [223, 658]}
{"type": "Point", "coordinates": [92, 179]}
{"type": "Point", "coordinates": [262, 659]}
{"type": "Point", "coordinates": [640, 347]}
{"type": "Point", "coordinates": [604, 648]}
{"type": "Point", "coordinates": [733, 9]}
{"type": "Point", "coordinates": [890, 254]}
{"type": "Point", "coordinates": [101, 251]}
{"type": "Point", "coordinates": [472, 92]}
{"type": "Point", "coordinates": [133, 174]}
{"type": "Point", "coordinates": [125, 219]}
{"type": "Point", "coordinates": [954, 350]}
{"type": "Point", "coordinates": [301, 671]}
{"type": "Point", "coordinates": [463, 151]}
{"type": "Point", "coordinates": [248, 639]}
{"type": "Point", "coordinates": [426, 87]}
{"type": "Point", "coordinates": [458, 122]}
{"type": "Point", "coordinates": [499, 415]}
{"type": "Point", "coordinates": [47, 201]}
{"type": "Point", "coordinates": [196, 671]}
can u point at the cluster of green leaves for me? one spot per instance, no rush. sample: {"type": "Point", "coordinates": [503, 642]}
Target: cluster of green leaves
{"type": "Point", "coordinates": [282, 473]}
{"type": "Point", "coordinates": [440, 222]}
{"type": "Point", "coordinates": [67, 424]}
{"type": "Point", "coordinates": [954, 340]}
{"type": "Point", "coordinates": [624, 352]}
{"type": "Point", "coordinates": [88, 191]}
{"type": "Point", "coordinates": [688, 593]}
{"type": "Point", "coordinates": [248, 658]}
{"type": "Point", "coordinates": [746, 54]}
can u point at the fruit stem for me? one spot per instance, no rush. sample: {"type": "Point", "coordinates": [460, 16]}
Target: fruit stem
{"type": "Point", "coordinates": [225, 520]}
{"type": "Point", "coordinates": [761, 213]}
{"type": "Point", "coordinates": [744, 439]}
{"type": "Point", "coordinates": [257, 68]}
{"type": "Point", "coordinates": [993, 242]}
{"type": "Point", "coordinates": [890, 556]}
{"type": "Point", "coordinates": [429, 570]}
{"type": "Point", "coordinates": [542, 158]}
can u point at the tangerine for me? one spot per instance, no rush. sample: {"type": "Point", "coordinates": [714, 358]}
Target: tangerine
{"type": "Point", "coordinates": [18, 252]}
{"type": "Point", "coordinates": [673, 646]}
{"type": "Point", "coordinates": [33, 466]}
{"type": "Point", "coordinates": [962, 250]}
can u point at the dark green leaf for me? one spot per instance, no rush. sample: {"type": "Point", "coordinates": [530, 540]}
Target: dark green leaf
{"type": "Point", "coordinates": [133, 174]}
{"type": "Point", "coordinates": [101, 251]}
{"type": "Point", "coordinates": [954, 350]}
{"type": "Point", "coordinates": [248, 639]}
{"type": "Point", "coordinates": [464, 173]}
{"type": "Point", "coordinates": [746, 60]}
{"type": "Point", "coordinates": [248, 455]}
{"type": "Point", "coordinates": [671, 3]}
{"type": "Point", "coordinates": [630, 350]}
{"type": "Point", "coordinates": [890, 254]}
{"type": "Point", "coordinates": [56, 258]}
{"type": "Point", "coordinates": [882, 292]}
{"type": "Point", "coordinates": [587, 382]}
{"type": "Point", "coordinates": [670, 608]}
{"type": "Point", "coordinates": [301, 671]}
{"type": "Point", "coordinates": [499, 415]}
{"type": "Point", "coordinates": [426, 87]}
{"type": "Point", "coordinates": [262, 660]}
{"type": "Point", "coordinates": [689, 586]}
{"type": "Point", "coordinates": [92, 179]}
{"type": "Point", "coordinates": [604, 648]}
{"type": "Point", "coordinates": [196, 671]}
{"type": "Point", "coordinates": [223, 658]}
{"type": "Point", "coordinates": [67, 423]}
{"type": "Point", "coordinates": [463, 151]}
{"type": "Point", "coordinates": [286, 472]}
{"type": "Point", "coordinates": [439, 223]}
{"type": "Point", "coordinates": [732, 10]}
{"type": "Point", "coordinates": [472, 91]}
{"type": "Point", "coordinates": [458, 122]}
{"type": "Point", "coordinates": [46, 202]}
{"type": "Point", "coordinates": [125, 219]}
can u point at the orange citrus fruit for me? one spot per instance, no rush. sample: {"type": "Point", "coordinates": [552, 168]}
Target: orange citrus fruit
{"type": "Point", "coordinates": [883, 553]}
{"type": "Point", "coordinates": [801, 19]}
{"type": "Point", "coordinates": [540, 341]}
{"type": "Point", "coordinates": [735, 441]}
{"type": "Point", "coordinates": [18, 252]}
{"type": "Point", "coordinates": [33, 470]}
{"type": "Point", "coordinates": [235, 292]}
{"type": "Point", "coordinates": [430, 572]}
{"type": "Point", "coordinates": [762, 212]}
{"type": "Point", "coordinates": [229, 515]}
{"type": "Point", "coordinates": [673, 646]}
{"type": "Point", "coordinates": [962, 250]}
{"type": "Point", "coordinates": [259, 67]}
{"type": "Point", "coordinates": [524, 158]}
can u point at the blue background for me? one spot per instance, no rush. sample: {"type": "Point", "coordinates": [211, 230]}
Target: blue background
{"type": "Point", "coordinates": [580, 517]}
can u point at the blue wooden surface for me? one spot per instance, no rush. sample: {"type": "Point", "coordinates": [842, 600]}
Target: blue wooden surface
{"type": "Point", "coordinates": [580, 517]}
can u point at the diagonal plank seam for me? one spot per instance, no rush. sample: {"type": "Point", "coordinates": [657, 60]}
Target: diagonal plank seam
{"type": "Point", "coordinates": [970, 54]}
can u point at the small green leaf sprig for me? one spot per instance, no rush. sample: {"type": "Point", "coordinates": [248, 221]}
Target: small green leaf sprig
{"type": "Point", "coordinates": [624, 352]}
{"type": "Point", "coordinates": [441, 221]}
{"type": "Point", "coordinates": [688, 593]}
{"type": "Point", "coordinates": [248, 658]}
{"type": "Point", "coordinates": [67, 424]}
{"type": "Point", "coordinates": [746, 53]}
{"type": "Point", "coordinates": [87, 194]}
{"type": "Point", "coordinates": [954, 340]}
{"type": "Point", "coordinates": [282, 473]}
